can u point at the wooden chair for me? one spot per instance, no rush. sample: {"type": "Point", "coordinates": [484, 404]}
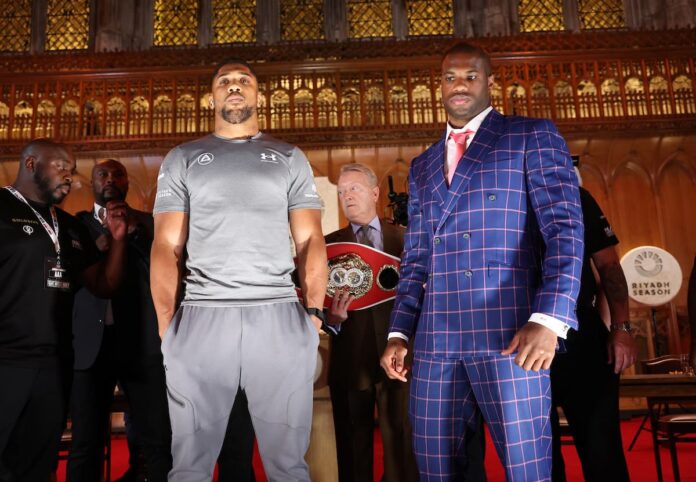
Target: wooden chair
{"type": "Point", "coordinates": [677, 428]}
{"type": "Point", "coordinates": [655, 366]}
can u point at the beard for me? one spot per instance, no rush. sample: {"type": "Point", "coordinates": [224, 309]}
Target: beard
{"type": "Point", "coordinates": [237, 116]}
{"type": "Point", "coordinates": [48, 195]}
{"type": "Point", "coordinates": [109, 193]}
{"type": "Point", "coordinates": [466, 112]}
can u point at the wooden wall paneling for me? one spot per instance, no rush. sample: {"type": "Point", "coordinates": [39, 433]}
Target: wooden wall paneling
{"type": "Point", "coordinates": [142, 181]}
{"type": "Point", "coordinates": [593, 181]}
{"type": "Point", "coordinates": [676, 186]}
{"type": "Point", "coordinates": [635, 217]}
{"type": "Point", "coordinates": [319, 160]}
{"type": "Point", "coordinates": [338, 157]}
{"type": "Point", "coordinates": [633, 206]}
{"type": "Point", "coordinates": [152, 162]}
{"type": "Point", "coordinates": [8, 172]}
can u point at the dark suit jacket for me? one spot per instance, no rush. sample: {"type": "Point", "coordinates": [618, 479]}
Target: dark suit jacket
{"type": "Point", "coordinates": [135, 322]}
{"type": "Point", "coordinates": [356, 350]}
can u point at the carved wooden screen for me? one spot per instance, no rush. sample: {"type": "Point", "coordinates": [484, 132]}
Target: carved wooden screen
{"type": "Point", "coordinates": [430, 17]}
{"type": "Point", "coordinates": [67, 24]}
{"type": "Point", "coordinates": [369, 18]}
{"type": "Point", "coordinates": [15, 26]}
{"type": "Point", "coordinates": [601, 14]}
{"type": "Point", "coordinates": [540, 15]}
{"type": "Point", "coordinates": [302, 19]}
{"type": "Point", "coordinates": [176, 22]}
{"type": "Point", "coordinates": [234, 21]}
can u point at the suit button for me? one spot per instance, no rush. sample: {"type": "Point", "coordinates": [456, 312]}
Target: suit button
{"type": "Point", "coordinates": [468, 273]}
{"type": "Point", "coordinates": [491, 197]}
{"type": "Point", "coordinates": [437, 240]}
{"type": "Point", "coordinates": [466, 235]}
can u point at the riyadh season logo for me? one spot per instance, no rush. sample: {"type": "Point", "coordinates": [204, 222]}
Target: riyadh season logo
{"type": "Point", "coordinates": [648, 263]}
{"type": "Point", "coordinates": [205, 159]}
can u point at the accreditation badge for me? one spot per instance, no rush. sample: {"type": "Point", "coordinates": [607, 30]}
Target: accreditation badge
{"type": "Point", "coordinates": [56, 274]}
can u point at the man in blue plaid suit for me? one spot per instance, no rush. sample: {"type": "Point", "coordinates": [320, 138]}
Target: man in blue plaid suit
{"type": "Point", "coordinates": [489, 279]}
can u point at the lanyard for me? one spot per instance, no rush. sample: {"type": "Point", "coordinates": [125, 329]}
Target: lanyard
{"type": "Point", "coordinates": [52, 231]}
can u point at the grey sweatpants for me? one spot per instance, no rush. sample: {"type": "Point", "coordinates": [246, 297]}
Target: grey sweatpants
{"type": "Point", "coordinates": [270, 352]}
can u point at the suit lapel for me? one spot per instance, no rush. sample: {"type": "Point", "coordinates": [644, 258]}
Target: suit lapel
{"type": "Point", "coordinates": [390, 240]}
{"type": "Point", "coordinates": [486, 137]}
{"type": "Point", "coordinates": [436, 174]}
{"type": "Point", "coordinates": [345, 235]}
{"type": "Point", "coordinates": [95, 227]}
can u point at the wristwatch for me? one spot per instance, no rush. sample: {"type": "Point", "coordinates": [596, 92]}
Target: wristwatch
{"type": "Point", "coordinates": [316, 312]}
{"type": "Point", "coordinates": [623, 326]}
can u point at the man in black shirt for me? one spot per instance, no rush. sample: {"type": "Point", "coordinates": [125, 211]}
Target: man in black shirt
{"type": "Point", "coordinates": [45, 254]}
{"type": "Point", "coordinates": [585, 379]}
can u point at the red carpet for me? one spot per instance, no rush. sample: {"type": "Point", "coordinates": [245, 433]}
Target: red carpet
{"type": "Point", "coordinates": [640, 459]}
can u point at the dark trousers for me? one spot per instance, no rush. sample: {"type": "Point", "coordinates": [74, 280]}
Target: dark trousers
{"type": "Point", "coordinates": [92, 394]}
{"type": "Point", "coordinates": [353, 413]}
{"type": "Point", "coordinates": [31, 421]}
{"type": "Point", "coordinates": [584, 385]}
{"type": "Point", "coordinates": [235, 462]}
{"type": "Point", "coordinates": [145, 389]}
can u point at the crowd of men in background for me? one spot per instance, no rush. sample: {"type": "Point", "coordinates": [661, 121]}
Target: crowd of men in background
{"type": "Point", "coordinates": [195, 317]}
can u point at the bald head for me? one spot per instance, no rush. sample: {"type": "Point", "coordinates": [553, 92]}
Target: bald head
{"type": "Point", "coordinates": [45, 173]}
{"type": "Point", "coordinates": [40, 147]}
{"type": "Point", "coordinates": [109, 181]}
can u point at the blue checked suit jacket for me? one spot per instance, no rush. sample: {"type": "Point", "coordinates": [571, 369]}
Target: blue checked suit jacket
{"type": "Point", "coordinates": [505, 241]}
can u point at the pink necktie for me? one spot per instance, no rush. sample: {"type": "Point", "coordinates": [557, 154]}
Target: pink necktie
{"type": "Point", "coordinates": [455, 151]}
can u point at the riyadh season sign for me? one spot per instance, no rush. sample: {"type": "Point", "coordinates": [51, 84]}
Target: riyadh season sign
{"type": "Point", "coordinates": [652, 274]}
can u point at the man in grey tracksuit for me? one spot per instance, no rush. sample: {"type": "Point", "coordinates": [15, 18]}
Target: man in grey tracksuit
{"type": "Point", "coordinates": [225, 200]}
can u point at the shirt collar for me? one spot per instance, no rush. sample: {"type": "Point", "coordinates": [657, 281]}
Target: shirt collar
{"type": "Point", "coordinates": [472, 125]}
{"type": "Point", "coordinates": [374, 223]}
{"type": "Point", "coordinates": [95, 213]}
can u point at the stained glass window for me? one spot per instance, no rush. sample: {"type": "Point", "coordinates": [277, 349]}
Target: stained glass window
{"type": "Point", "coordinates": [15, 26]}
{"type": "Point", "coordinates": [540, 15]}
{"type": "Point", "coordinates": [234, 21]}
{"type": "Point", "coordinates": [430, 17]}
{"type": "Point", "coordinates": [176, 22]}
{"type": "Point", "coordinates": [369, 18]}
{"type": "Point", "coordinates": [67, 24]}
{"type": "Point", "coordinates": [302, 20]}
{"type": "Point", "coordinates": [601, 14]}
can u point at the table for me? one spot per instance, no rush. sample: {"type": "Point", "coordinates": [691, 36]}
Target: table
{"type": "Point", "coordinates": [658, 389]}
{"type": "Point", "coordinates": [670, 386]}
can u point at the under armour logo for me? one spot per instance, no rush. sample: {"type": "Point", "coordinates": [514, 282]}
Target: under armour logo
{"type": "Point", "coordinates": [27, 229]}
{"type": "Point", "coordinates": [268, 157]}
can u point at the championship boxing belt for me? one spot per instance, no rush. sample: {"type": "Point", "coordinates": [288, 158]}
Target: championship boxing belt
{"type": "Point", "coordinates": [368, 274]}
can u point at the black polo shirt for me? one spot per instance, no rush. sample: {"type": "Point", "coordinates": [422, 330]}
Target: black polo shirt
{"type": "Point", "coordinates": [36, 321]}
{"type": "Point", "coordinates": [598, 235]}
